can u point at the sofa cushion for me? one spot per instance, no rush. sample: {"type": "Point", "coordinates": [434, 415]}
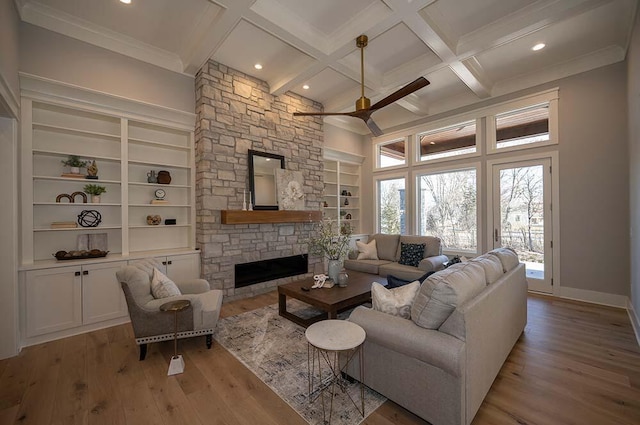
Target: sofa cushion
{"type": "Point", "coordinates": [365, 266]}
{"type": "Point", "coordinates": [508, 257]}
{"type": "Point", "coordinates": [444, 291]}
{"type": "Point", "coordinates": [396, 301]}
{"type": "Point", "coordinates": [367, 251]}
{"type": "Point", "coordinates": [411, 254]}
{"type": "Point", "coordinates": [398, 270]}
{"type": "Point", "coordinates": [491, 265]}
{"type": "Point", "coordinates": [387, 246]}
{"type": "Point", "coordinates": [432, 245]}
{"type": "Point", "coordinates": [162, 286]}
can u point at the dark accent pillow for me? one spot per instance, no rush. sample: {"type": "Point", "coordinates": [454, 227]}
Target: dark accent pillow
{"type": "Point", "coordinates": [411, 253]}
{"type": "Point", "coordinates": [394, 282]}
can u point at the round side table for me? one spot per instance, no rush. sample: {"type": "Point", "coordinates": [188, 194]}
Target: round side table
{"type": "Point", "coordinates": [329, 339]}
{"type": "Point", "coordinates": [177, 362]}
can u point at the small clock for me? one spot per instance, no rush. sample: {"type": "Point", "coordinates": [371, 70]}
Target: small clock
{"type": "Point", "coordinates": [160, 193]}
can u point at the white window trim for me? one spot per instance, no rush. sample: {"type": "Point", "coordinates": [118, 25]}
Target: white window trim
{"type": "Point", "coordinates": [443, 125]}
{"type": "Point", "coordinates": [383, 141]}
{"type": "Point", "coordinates": [407, 198]}
{"type": "Point", "coordinates": [477, 165]}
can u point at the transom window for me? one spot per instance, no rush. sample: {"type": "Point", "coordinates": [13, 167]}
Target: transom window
{"type": "Point", "coordinates": [522, 127]}
{"type": "Point", "coordinates": [391, 154]}
{"type": "Point", "coordinates": [454, 140]}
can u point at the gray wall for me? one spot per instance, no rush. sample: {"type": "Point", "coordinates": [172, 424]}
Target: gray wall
{"type": "Point", "coordinates": [633, 88]}
{"type": "Point", "coordinates": [9, 23]}
{"type": "Point", "coordinates": [594, 178]}
{"type": "Point", "coordinates": [52, 55]}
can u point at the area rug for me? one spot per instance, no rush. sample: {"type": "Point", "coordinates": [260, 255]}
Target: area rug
{"type": "Point", "coordinates": [275, 350]}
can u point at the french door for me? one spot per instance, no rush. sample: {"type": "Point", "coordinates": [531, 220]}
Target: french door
{"type": "Point", "coordinates": [522, 216]}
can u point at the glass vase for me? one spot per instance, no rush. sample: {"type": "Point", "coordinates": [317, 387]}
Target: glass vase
{"type": "Point", "coordinates": [334, 270]}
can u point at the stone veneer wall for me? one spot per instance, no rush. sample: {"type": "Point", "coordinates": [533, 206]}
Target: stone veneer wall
{"type": "Point", "coordinates": [236, 113]}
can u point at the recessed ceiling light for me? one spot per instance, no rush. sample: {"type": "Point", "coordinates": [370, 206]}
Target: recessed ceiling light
{"type": "Point", "coordinates": [257, 66]}
{"type": "Point", "coordinates": [432, 143]}
{"type": "Point", "coordinates": [125, 1]}
{"type": "Point", "coordinates": [538, 46]}
{"type": "Point", "coordinates": [306, 87]}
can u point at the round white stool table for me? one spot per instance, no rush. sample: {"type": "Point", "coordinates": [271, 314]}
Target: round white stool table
{"type": "Point", "coordinates": [330, 339]}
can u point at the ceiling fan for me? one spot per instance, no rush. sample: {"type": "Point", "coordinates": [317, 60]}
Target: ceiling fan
{"type": "Point", "coordinates": [364, 109]}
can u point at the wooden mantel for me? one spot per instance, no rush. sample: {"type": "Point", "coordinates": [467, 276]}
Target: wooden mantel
{"type": "Point", "coordinates": [259, 217]}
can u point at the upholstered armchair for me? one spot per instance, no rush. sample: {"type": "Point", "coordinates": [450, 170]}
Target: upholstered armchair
{"type": "Point", "coordinates": [152, 325]}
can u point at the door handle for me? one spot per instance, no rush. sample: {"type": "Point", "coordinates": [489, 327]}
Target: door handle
{"type": "Point", "coordinates": [496, 235]}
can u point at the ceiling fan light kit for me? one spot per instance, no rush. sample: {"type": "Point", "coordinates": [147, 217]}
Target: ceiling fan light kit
{"type": "Point", "coordinates": [364, 109]}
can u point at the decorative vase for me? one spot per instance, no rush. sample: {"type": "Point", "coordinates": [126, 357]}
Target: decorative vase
{"type": "Point", "coordinates": [343, 277]}
{"type": "Point", "coordinates": [334, 269]}
{"type": "Point", "coordinates": [95, 199]}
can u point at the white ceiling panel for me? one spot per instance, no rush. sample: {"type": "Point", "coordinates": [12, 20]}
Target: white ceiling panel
{"type": "Point", "coordinates": [248, 45]}
{"type": "Point", "coordinates": [327, 86]}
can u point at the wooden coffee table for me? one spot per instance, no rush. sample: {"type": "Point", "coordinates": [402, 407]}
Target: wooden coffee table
{"type": "Point", "coordinates": [330, 301]}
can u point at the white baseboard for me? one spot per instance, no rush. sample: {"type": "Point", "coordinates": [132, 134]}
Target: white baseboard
{"type": "Point", "coordinates": [635, 321]}
{"type": "Point", "coordinates": [595, 297]}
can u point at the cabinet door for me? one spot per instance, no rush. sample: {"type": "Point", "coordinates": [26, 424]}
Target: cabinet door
{"type": "Point", "coordinates": [53, 300]}
{"type": "Point", "coordinates": [102, 296]}
{"type": "Point", "coordinates": [182, 267]}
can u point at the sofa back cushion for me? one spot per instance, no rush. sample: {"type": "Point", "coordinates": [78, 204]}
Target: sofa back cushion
{"type": "Point", "coordinates": [444, 291]}
{"type": "Point", "coordinates": [386, 245]}
{"type": "Point", "coordinates": [432, 246]}
{"type": "Point", "coordinates": [491, 265]}
{"type": "Point", "coordinates": [508, 257]}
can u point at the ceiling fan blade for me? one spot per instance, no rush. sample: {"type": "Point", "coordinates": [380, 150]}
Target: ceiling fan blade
{"type": "Point", "coordinates": [310, 114]}
{"type": "Point", "coordinates": [375, 130]}
{"type": "Point", "coordinates": [400, 93]}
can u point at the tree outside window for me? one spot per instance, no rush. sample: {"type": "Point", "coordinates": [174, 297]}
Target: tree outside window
{"type": "Point", "coordinates": [448, 208]}
{"type": "Point", "coordinates": [392, 206]}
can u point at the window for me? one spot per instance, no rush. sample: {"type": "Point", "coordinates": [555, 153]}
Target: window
{"type": "Point", "coordinates": [391, 206]}
{"type": "Point", "coordinates": [447, 204]}
{"type": "Point", "coordinates": [454, 140]}
{"type": "Point", "coordinates": [391, 154]}
{"type": "Point", "coordinates": [522, 127]}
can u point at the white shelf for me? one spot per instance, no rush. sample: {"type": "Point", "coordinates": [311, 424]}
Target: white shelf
{"type": "Point", "coordinates": [179, 186]}
{"type": "Point", "coordinates": [75, 204]}
{"type": "Point", "coordinates": [73, 179]}
{"type": "Point", "coordinates": [160, 205]}
{"type": "Point", "coordinates": [75, 229]}
{"type": "Point", "coordinates": [63, 154]}
{"type": "Point", "coordinates": [160, 144]}
{"type": "Point", "coordinates": [159, 226]}
{"type": "Point", "coordinates": [157, 164]}
{"type": "Point", "coordinates": [69, 130]}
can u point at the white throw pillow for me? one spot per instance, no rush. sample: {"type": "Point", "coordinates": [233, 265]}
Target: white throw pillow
{"type": "Point", "coordinates": [162, 286]}
{"type": "Point", "coordinates": [395, 301]}
{"type": "Point", "coordinates": [367, 251]}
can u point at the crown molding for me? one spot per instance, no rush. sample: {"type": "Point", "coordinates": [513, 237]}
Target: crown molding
{"type": "Point", "coordinates": [8, 98]}
{"type": "Point", "coordinates": [80, 29]}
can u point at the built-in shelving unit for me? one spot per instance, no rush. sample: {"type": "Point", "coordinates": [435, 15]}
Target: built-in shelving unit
{"type": "Point", "coordinates": [342, 188]}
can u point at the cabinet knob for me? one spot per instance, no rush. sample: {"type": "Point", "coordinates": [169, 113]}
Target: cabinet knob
{"type": "Point", "coordinates": [85, 272]}
{"type": "Point", "coordinates": [77, 273]}
{"type": "Point", "coordinates": [164, 263]}
{"type": "Point", "coordinates": [170, 262]}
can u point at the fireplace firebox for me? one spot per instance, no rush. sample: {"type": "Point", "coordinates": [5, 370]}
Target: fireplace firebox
{"type": "Point", "coordinates": [265, 270]}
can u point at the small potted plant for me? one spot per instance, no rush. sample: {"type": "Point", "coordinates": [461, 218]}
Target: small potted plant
{"type": "Point", "coordinates": [74, 163]}
{"type": "Point", "coordinates": [95, 191]}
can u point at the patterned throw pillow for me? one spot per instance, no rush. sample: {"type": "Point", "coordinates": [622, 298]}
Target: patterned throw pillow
{"type": "Point", "coordinates": [411, 253]}
{"type": "Point", "coordinates": [162, 286]}
{"type": "Point", "coordinates": [367, 251]}
{"type": "Point", "coordinates": [397, 301]}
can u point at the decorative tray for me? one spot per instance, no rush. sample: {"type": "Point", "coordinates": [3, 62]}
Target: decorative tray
{"type": "Point", "coordinates": [79, 255]}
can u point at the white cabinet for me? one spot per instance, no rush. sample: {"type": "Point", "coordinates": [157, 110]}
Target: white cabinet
{"type": "Point", "coordinates": [342, 189]}
{"type": "Point", "coordinates": [53, 300]}
{"type": "Point", "coordinates": [67, 297]}
{"type": "Point", "coordinates": [179, 267]}
{"type": "Point", "coordinates": [102, 296]}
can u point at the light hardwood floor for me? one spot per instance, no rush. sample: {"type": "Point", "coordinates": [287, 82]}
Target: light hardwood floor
{"type": "Point", "coordinates": [575, 364]}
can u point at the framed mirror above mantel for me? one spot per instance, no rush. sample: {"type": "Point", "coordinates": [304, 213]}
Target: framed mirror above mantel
{"type": "Point", "coordinates": [262, 179]}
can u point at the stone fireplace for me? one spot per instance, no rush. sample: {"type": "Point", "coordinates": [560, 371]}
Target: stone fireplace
{"type": "Point", "coordinates": [236, 113]}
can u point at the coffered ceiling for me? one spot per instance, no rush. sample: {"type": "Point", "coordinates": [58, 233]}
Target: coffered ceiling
{"type": "Point", "coordinates": [469, 50]}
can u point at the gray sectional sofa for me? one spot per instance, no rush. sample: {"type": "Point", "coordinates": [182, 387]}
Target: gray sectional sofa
{"type": "Point", "coordinates": [388, 249]}
{"type": "Point", "coordinates": [441, 363]}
